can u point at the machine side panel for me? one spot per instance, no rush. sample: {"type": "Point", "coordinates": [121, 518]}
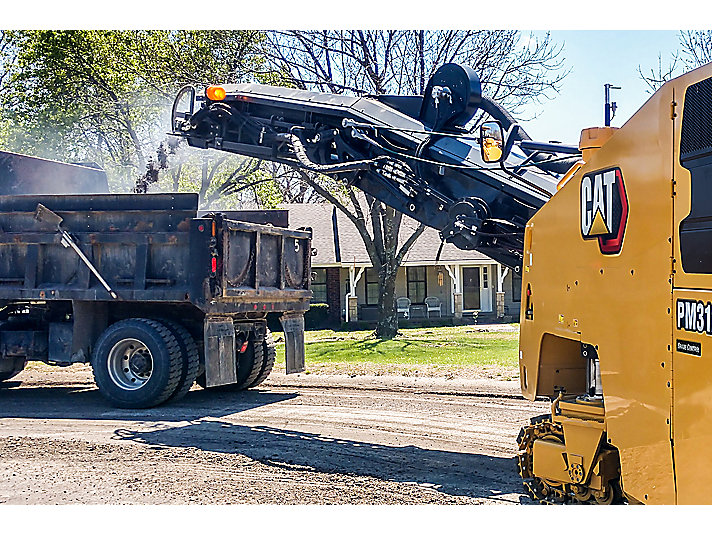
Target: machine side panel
{"type": "Point", "coordinates": [691, 322]}
{"type": "Point", "coordinates": [583, 289]}
{"type": "Point", "coordinates": [692, 416]}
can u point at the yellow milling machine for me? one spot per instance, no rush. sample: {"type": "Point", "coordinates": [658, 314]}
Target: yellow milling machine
{"type": "Point", "coordinates": [614, 243]}
{"type": "Point", "coordinates": [633, 416]}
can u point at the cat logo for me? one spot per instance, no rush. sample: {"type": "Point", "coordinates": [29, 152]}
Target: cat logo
{"type": "Point", "coordinates": [604, 209]}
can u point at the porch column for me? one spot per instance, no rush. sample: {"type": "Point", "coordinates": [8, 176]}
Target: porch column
{"type": "Point", "coordinates": [333, 293]}
{"type": "Point", "coordinates": [456, 290]}
{"type": "Point", "coordinates": [501, 275]}
{"type": "Point", "coordinates": [351, 298]}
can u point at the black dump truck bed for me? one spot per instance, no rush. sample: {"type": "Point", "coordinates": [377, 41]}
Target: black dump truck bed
{"type": "Point", "coordinates": [150, 247]}
{"type": "Point", "coordinates": [152, 293]}
{"type": "Point", "coordinates": [29, 175]}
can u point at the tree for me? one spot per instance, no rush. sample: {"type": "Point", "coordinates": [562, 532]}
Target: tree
{"type": "Point", "coordinates": [695, 51]}
{"type": "Point", "coordinates": [7, 58]}
{"type": "Point", "coordinates": [221, 180]}
{"type": "Point", "coordinates": [513, 71]}
{"type": "Point", "coordinates": [7, 63]}
{"type": "Point", "coordinates": [83, 102]}
{"type": "Point", "coordinates": [104, 95]}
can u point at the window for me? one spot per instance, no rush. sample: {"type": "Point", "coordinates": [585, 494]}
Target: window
{"type": "Point", "coordinates": [319, 285]}
{"type": "Point", "coordinates": [417, 285]}
{"type": "Point", "coordinates": [371, 286]}
{"type": "Point", "coordinates": [516, 287]}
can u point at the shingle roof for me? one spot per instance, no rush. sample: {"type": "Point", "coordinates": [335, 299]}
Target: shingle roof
{"type": "Point", "coordinates": [349, 247]}
{"type": "Point", "coordinates": [319, 217]}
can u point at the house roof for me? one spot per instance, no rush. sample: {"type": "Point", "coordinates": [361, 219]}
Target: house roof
{"type": "Point", "coordinates": [338, 241]}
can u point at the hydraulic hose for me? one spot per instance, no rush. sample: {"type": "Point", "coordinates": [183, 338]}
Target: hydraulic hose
{"type": "Point", "coordinates": [301, 154]}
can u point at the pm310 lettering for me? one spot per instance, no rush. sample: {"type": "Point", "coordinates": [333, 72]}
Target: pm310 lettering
{"type": "Point", "coordinates": [694, 316]}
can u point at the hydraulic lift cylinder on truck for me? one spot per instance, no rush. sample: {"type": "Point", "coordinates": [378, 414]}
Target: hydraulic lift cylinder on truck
{"type": "Point", "coordinates": [150, 292]}
{"type": "Point", "coordinates": [612, 237]}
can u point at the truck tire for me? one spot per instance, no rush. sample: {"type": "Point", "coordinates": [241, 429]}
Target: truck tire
{"type": "Point", "coordinates": [11, 368]}
{"type": "Point", "coordinates": [137, 363]}
{"type": "Point", "coordinates": [191, 358]}
{"type": "Point", "coordinates": [249, 365]}
{"type": "Point", "coordinates": [269, 353]}
{"type": "Point", "coordinates": [253, 366]}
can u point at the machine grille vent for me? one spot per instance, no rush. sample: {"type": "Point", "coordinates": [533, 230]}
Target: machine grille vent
{"type": "Point", "coordinates": [696, 137]}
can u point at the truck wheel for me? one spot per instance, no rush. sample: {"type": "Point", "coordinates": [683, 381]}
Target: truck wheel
{"type": "Point", "coordinates": [11, 367]}
{"type": "Point", "coordinates": [249, 365]}
{"type": "Point", "coordinates": [191, 358]}
{"type": "Point", "coordinates": [269, 353]}
{"type": "Point", "coordinates": [137, 363]}
{"type": "Point", "coordinates": [253, 366]}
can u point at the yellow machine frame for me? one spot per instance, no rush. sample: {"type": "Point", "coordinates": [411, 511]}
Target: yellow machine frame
{"type": "Point", "coordinates": [648, 432]}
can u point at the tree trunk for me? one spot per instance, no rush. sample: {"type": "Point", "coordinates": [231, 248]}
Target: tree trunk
{"type": "Point", "coordinates": [387, 326]}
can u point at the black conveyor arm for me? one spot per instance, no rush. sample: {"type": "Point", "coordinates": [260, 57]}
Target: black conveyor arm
{"type": "Point", "coordinates": [423, 163]}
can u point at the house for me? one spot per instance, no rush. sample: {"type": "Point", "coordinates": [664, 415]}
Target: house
{"type": "Point", "coordinates": [466, 283]}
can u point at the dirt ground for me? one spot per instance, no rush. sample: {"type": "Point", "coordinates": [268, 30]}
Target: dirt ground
{"type": "Point", "coordinates": [304, 439]}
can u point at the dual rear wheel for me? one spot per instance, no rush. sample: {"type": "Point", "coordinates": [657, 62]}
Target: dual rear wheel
{"type": "Point", "coordinates": [253, 366]}
{"type": "Point", "coordinates": [140, 363]}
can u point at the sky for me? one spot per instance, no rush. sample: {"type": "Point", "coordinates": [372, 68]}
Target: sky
{"type": "Point", "coordinates": [594, 59]}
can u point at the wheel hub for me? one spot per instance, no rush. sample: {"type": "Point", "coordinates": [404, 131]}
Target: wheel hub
{"type": "Point", "coordinates": [140, 364]}
{"type": "Point", "coordinates": [130, 364]}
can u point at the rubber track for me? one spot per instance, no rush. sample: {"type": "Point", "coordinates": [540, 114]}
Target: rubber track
{"type": "Point", "coordinates": [7, 375]}
{"type": "Point", "coordinates": [269, 353]}
{"type": "Point", "coordinates": [190, 361]}
{"type": "Point", "coordinates": [18, 367]}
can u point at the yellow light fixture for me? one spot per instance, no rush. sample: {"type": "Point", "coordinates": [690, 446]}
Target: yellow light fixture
{"type": "Point", "coordinates": [215, 92]}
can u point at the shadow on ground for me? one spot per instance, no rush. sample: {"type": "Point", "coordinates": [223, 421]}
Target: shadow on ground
{"type": "Point", "coordinates": [85, 402]}
{"type": "Point", "coordinates": [183, 424]}
{"type": "Point", "coordinates": [454, 473]}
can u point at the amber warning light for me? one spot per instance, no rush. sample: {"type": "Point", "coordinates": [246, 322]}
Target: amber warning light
{"type": "Point", "coordinates": [215, 92]}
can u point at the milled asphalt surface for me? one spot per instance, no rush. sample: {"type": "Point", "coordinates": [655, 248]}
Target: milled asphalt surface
{"type": "Point", "coordinates": [295, 440]}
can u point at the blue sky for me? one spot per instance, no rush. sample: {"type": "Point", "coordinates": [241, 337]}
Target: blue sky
{"type": "Point", "coordinates": [596, 58]}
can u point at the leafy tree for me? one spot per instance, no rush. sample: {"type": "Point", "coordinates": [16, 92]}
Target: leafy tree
{"type": "Point", "coordinates": [104, 95]}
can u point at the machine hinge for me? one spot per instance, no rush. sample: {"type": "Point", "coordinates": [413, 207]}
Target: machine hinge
{"type": "Point", "coordinates": [673, 114]}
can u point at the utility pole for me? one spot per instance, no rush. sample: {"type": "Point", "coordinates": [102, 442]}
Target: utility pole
{"type": "Point", "coordinates": [610, 106]}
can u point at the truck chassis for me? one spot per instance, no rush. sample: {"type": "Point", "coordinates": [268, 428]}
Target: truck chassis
{"type": "Point", "coordinates": [153, 295]}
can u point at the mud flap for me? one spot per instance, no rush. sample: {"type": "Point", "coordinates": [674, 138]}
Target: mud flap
{"type": "Point", "coordinates": [220, 358]}
{"type": "Point", "coordinates": [293, 327]}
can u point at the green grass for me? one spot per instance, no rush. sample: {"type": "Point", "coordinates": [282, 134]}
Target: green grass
{"type": "Point", "coordinates": [458, 345]}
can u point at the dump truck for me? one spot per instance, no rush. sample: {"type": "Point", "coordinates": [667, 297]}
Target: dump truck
{"type": "Point", "coordinates": [613, 238]}
{"type": "Point", "coordinates": [151, 292]}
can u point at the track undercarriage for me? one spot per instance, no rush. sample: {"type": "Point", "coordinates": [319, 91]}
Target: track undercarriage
{"type": "Point", "coordinates": [564, 456]}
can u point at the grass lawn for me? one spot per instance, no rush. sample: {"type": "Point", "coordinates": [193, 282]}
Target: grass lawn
{"type": "Point", "coordinates": [437, 351]}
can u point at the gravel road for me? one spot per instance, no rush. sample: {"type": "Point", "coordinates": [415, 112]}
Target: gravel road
{"type": "Point", "coordinates": [302, 440]}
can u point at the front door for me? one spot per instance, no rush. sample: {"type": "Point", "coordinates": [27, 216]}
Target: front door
{"type": "Point", "coordinates": [471, 288]}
